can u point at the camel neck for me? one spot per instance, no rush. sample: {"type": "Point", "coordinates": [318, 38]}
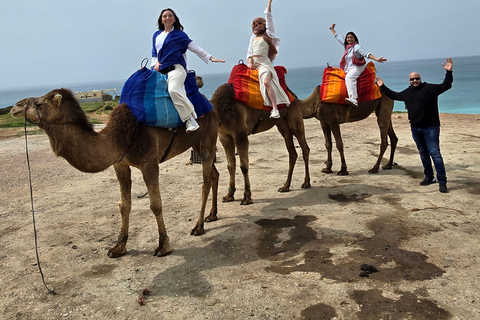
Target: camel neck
{"type": "Point", "coordinates": [91, 152]}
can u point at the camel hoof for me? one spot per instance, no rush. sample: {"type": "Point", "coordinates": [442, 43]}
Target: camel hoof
{"type": "Point", "coordinates": [197, 231]}
{"type": "Point", "coordinates": [306, 185]}
{"type": "Point", "coordinates": [284, 189]}
{"type": "Point", "coordinates": [228, 198]}
{"type": "Point", "coordinates": [211, 217]}
{"type": "Point", "coordinates": [373, 171]}
{"type": "Point", "coordinates": [162, 252]}
{"type": "Point", "coordinates": [246, 202]}
{"type": "Point", "coordinates": [117, 251]}
{"type": "Point", "coordinates": [116, 254]}
{"type": "Point", "coordinates": [342, 173]}
{"type": "Point", "coordinates": [327, 170]}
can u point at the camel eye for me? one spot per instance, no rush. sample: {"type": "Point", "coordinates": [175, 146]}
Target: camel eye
{"type": "Point", "coordinates": [38, 104]}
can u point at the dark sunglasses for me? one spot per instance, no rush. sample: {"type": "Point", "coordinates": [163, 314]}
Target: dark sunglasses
{"type": "Point", "coordinates": [413, 79]}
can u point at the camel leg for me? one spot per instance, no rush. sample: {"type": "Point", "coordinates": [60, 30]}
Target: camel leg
{"type": "Point", "coordinates": [327, 135]}
{"type": "Point", "coordinates": [229, 147]}
{"type": "Point", "coordinates": [383, 145]}
{"type": "Point", "coordinates": [214, 177]}
{"type": "Point", "coordinates": [300, 135]}
{"type": "Point", "coordinates": [123, 173]}
{"type": "Point", "coordinates": [282, 127]}
{"type": "Point", "coordinates": [306, 158]}
{"type": "Point", "coordinates": [393, 147]}
{"type": "Point", "coordinates": [339, 143]}
{"type": "Point", "coordinates": [241, 141]}
{"type": "Point", "coordinates": [207, 168]}
{"type": "Point", "coordinates": [150, 177]}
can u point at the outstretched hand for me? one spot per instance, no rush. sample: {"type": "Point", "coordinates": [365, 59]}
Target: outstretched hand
{"type": "Point", "coordinates": [379, 81]}
{"type": "Point", "coordinates": [332, 28]}
{"type": "Point", "coordinates": [449, 65]}
{"type": "Point", "coordinates": [382, 59]}
{"type": "Point", "coordinates": [216, 60]}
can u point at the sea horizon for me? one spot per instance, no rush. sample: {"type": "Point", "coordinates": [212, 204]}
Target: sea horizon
{"type": "Point", "coordinates": [303, 80]}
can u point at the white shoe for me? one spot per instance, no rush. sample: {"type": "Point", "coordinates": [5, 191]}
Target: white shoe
{"type": "Point", "coordinates": [352, 102]}
{"type": "Point", "coordinates": [192, 125]}
{"type": "Point", "coordinates": [274, 114]}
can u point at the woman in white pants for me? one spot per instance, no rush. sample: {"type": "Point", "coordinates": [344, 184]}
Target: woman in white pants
{"type": "Point", "coordinates": [262, 50]}
{"type": "Point", "coordinates": [353, 63]}
{"type": "Point", "coordinates": [170, 45]}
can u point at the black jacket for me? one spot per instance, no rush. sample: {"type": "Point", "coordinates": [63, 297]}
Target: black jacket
{"type": "Point", "coordinates": [422, 102]}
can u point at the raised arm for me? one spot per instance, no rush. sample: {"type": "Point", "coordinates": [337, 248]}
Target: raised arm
{"type": "Point", "coordinates": [332, 28]}
{"type": "Point", "coordinates": [449, 65]}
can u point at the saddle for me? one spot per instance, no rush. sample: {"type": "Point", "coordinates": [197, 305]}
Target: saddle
{"type": "Point", "coordinates": [247, 88]}
{"type": "Point", "coordinates": [334, 90]}
{"type": "Point", "coordinates": [146, 94]}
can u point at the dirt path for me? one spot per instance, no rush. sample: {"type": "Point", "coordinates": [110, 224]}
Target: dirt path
{"type": "Point", "coordinates": [293, 255]}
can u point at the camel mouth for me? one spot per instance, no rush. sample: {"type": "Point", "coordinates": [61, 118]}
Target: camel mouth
{"type": "Point", "coordinates": [18, 111]}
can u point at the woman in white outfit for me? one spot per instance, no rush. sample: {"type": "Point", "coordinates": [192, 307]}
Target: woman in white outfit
{"type": "Point", "coordinates": [353, 63]}
{"type": "Point", "coordinates": [262, 49]}
{"type": "Point", "coordinates": [170, 45]}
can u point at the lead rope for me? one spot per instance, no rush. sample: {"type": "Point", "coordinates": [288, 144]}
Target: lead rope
{"type": "Point", "coordinates": [33, 211]}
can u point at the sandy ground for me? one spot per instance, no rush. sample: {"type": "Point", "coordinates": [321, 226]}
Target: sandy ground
{"type": "Point", "coordinates": [293, 255]}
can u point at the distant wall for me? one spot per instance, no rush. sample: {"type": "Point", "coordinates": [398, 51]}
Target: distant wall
{"type": "Point", "coordinates": [93, 96]}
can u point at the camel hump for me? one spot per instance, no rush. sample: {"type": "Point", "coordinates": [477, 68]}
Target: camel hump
{"type": "Point", "coordinates": [223, 99]}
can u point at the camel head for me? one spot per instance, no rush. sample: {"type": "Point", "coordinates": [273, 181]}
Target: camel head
{"type": "Point", "coordinates": [58, 106]}
{"type": "Point", "coordinates": [19, 108]}
{"type": "Point", "coordinates": [199, 81]}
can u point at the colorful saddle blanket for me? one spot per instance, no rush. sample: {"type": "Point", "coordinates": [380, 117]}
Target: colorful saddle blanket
{"type": "Point", "coordinates": [146, 94]}
{"type": "Point", "coordinates": [247, 88]}
{"type": "Point", "coordinates": [333, 89]}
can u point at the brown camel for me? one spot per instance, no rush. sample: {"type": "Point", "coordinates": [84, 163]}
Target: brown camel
{"type": "Point", "coordinates": [238, 121]}
{"type": "Point", "coordinates": [123, 143]}
{"type": "Point", "coordinates": [332, 115]}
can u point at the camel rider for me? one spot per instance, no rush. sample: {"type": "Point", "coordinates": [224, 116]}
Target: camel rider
{"type": "Point", "coordinates": [170, 44]}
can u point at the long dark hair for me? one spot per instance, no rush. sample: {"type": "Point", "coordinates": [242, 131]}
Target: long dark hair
{"type": "Point", "coordinates": [272, 51]}
{"type": "Point", "coordinates": [354, 35]}
{"type": "Point", "coordinates": [177, 25]}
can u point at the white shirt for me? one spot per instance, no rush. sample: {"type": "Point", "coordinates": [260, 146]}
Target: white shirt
{"type": "Point", "coordinates": [202, 54]}
{"type": "Point", "coordinates": [270, 32]}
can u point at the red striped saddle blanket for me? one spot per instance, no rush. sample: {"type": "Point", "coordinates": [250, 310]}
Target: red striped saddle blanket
{"type": "Point", "coordinates": [333, 89]}
{"type": "Point", "coordinates": [247, 88]}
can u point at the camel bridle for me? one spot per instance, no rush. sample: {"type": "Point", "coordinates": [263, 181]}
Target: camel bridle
{"type": "Point", "coordinates": [39, 117]}
{"type": "Point", "coordinates": [51, 291]}
{"type": "Point", "coordinates": [36, 110]}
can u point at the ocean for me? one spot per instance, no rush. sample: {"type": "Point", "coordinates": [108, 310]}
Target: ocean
{"type": "Point", "coordinates": [461, 98]}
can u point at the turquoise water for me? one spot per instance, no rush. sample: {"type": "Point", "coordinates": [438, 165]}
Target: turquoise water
{"type": "Point", "coordinates": [462, 98]}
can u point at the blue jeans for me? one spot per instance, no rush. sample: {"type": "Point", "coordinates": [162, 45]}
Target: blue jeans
{"type": "Point", "coordinates": [428, 145]}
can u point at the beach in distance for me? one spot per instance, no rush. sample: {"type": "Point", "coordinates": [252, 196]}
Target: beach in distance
{"type": "Point", "coordinates": [462, 98]}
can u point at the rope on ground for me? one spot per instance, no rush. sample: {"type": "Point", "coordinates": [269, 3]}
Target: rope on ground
{"type": "Point", "coordinates": [33, 211]}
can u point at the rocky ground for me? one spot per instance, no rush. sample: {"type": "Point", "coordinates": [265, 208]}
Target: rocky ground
{"type": "Point", "coordinates": [295, 255]}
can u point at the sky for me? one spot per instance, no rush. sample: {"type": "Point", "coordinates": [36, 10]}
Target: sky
{"type": "Point", "coordinates": [61, 42]}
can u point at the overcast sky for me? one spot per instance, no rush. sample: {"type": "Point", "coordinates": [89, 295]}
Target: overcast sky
{"type": "Point", "coordinates": [72, 41]}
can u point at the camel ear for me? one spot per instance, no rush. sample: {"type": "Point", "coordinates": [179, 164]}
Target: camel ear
{"type": "Point", "coordinates": [57, 99]}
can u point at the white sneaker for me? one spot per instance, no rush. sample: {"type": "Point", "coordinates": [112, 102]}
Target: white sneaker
{"type": "Point", "coordinates": [352, 102]}
{"type": "Point", "coordinates": [274, 114]}
{"type": "Point", "coordinates": [192, 125]}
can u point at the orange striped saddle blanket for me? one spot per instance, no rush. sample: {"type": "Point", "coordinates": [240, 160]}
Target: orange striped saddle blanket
{"type": "Point", "coordinates": [333, 89]}
{"type": "Point", "coordinates": [247, 88]}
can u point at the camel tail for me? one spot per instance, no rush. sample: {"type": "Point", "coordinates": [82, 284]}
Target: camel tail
{"type": "Point", "coordinates": [223, 100]}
